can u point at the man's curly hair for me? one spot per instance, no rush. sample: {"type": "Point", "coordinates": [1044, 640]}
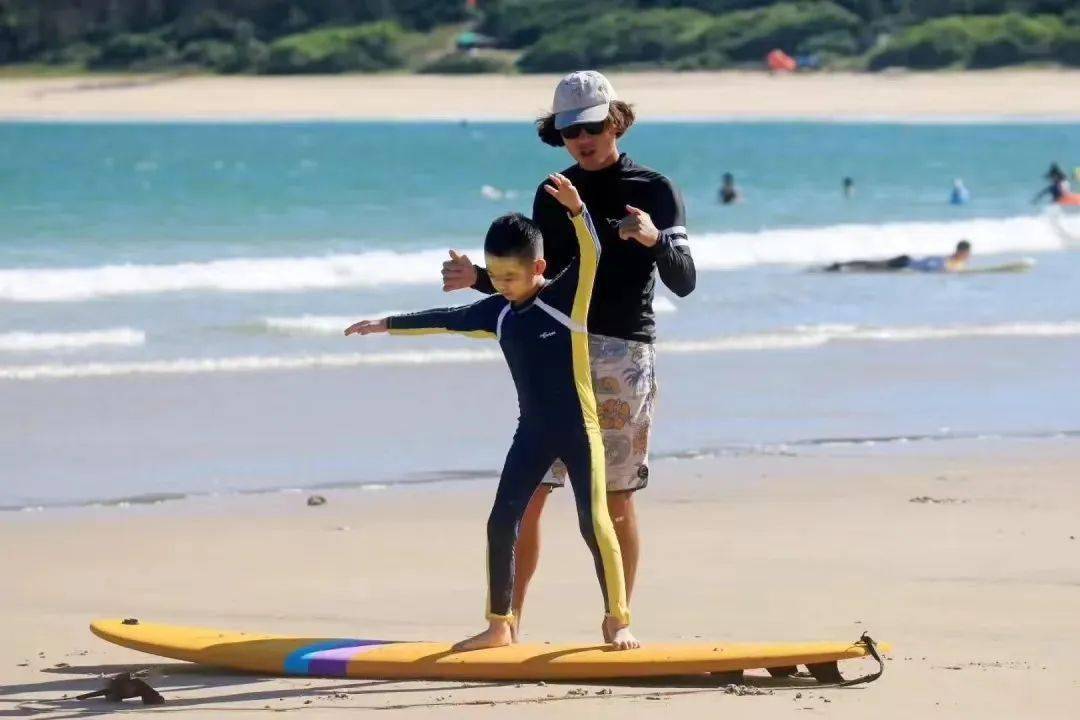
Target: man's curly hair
{"type": "Point", "coordinates": [620, 116]}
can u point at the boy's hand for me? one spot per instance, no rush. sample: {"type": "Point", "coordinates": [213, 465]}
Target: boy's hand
{"type": "Point", "coordinates": [637, 225]}
{"type": "Point", "coordinates": [458, 272]}
{"type": "Point", "coordinates": [367, 327]}
{"type": "Point", "coordinates": [564, 191]}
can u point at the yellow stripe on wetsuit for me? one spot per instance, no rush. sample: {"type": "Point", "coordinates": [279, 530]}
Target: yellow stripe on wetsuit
{"type": "Point", "coordinates": [481, 334]}
{"type": "Point", "coordinates": [606, 540]}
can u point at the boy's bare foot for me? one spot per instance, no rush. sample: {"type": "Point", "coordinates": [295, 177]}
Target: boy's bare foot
{"type": "Point", "coordinates": [623, 639]}
{"type": "Point", "coordinates": [619, 636]}
{"type": "Point", "coordinates": [498, 634]}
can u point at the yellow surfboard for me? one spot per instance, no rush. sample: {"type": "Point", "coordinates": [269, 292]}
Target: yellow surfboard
{"type": "Point", "coordinates": [387, 659]}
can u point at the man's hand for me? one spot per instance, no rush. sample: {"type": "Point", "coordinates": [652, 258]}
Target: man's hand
{"type": "Point", "coordinates": [637, 225]}
{"type": "Point", "coordinates": [458, 272]}
{"type": "Point", "coordinates": [564, 191]}
{"type": "Point", "coordinates": [367, 327]}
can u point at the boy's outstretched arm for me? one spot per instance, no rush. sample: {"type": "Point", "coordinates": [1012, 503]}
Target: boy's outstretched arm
{"type": "Point", "coordinates": [479, 319]}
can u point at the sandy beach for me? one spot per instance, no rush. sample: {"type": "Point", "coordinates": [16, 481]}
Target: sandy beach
{"type": "Point", "coordinates": [1024, 93]}
{"type": "Point", "coordinates": [962, 554]}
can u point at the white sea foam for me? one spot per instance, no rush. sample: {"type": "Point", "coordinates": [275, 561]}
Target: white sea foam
{"type": "Point", "coordinates": [817, 335]}
{"type": "Point", "coordinates": [663, 306]}
{"type": "Point", "coordinates": [336, 324]}
{"type": "Point", "coordinates": [799, 337]}
{"type": "Point", "coordinates": [814, 246]}
{"type": "Point", "coordinates": [712, 251]}
{"type": "Point", "coordinates": [281, 274]}
{"type": "Point", "coordinates": [252, 363]}
{"type": "Point", "coordinates": [38, 341]}
{"type": "Point", "coordinates": [318, 324]}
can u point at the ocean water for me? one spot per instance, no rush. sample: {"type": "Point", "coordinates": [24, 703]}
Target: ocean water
{"type": "Point", "coordinates": [136, 253]}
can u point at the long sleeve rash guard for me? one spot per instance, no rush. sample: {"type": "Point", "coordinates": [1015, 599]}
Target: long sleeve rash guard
{"type": "Point", "coordinates": [625, 281]}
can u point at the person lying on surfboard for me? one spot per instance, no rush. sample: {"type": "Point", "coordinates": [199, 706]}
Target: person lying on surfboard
{"type": "Point", "coordinates": [540, 326]}
{"type": "Point", "coordinates": [931, 264]}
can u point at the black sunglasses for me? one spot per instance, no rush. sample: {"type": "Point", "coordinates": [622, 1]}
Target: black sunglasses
{"type": "Point", "coordinates": [593, 128]}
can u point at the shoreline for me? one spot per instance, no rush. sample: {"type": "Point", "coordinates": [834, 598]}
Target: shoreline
{"type": "Point", "coordinates": [732, 96]}
{"type": "Point", "coordinates": [900, 445]}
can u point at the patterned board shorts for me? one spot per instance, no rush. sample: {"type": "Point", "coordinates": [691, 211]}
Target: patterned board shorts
{"type": "Point", "coordinates": [624, 381]}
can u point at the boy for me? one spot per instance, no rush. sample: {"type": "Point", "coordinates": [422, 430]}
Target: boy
{"type": "Point", "coordinates": [540, 326]}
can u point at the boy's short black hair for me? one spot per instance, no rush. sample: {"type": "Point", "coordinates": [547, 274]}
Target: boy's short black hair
{"type": "Point", "coordinates": [963, 246]}
{"type": "Point", "coordinates": [514, 235]}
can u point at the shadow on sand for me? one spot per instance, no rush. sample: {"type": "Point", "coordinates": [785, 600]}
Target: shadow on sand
{"type": "Point", "coordinates": [230, 687]}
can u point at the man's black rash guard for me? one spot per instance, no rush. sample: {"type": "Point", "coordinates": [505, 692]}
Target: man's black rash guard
{"type": "Point", "coordinates": [622, 299]}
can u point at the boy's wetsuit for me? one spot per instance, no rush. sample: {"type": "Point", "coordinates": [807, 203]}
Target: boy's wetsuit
{"type": "Point", "coordinates": [545, 343]}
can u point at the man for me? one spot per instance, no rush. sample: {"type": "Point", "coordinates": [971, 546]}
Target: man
{"type": "Point", "coordinates": [640, 219]}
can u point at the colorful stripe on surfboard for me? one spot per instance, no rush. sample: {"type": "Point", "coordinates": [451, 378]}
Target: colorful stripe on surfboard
{"type": "Point", "coordinates": [329, 658]}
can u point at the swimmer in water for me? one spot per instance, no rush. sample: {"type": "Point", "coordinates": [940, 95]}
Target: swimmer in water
{"type": "Point", "coordinates": [931, 264]}
{"type": "Point", "coordinates": [728, 192]}
{"type": "Point", "coordinates": [848, 185]}
{"type": "Point", "coordinates": [959, 194]}
{"type": "Point", "coordinates": [1058, 187]}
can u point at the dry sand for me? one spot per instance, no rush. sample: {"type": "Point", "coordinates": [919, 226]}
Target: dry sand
{"type": "Point", "coordinates": [1008, 93]}
{"type": "Point", "coordinates": [977, 589]}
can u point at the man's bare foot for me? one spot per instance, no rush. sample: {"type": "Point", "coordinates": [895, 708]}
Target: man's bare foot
{"type": "Point", "coordinates": [514, 624]}
{"type": "Point", "coordinates": [498, 634]}
{"type": "Point", "coordinates": [619, 636]}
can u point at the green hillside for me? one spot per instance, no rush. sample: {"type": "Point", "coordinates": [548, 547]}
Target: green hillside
{"type": "Point", "coordinates": [453, 36]}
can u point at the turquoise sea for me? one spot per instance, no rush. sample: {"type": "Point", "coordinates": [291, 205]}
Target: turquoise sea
{"type": "Point", "coordinates": [139, 261]}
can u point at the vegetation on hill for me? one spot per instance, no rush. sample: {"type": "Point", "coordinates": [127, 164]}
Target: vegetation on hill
{"type": "Point", "coordinates": [331, 36]}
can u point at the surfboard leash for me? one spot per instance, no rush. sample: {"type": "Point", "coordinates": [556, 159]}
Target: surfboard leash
{"type": "Point", "coordinates": [871, 647]}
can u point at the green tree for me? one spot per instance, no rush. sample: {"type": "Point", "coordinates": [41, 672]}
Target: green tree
{"type": "Point", "coordinates": [362, 48]}
{"type": "Point", "coordinates": [621, 37]}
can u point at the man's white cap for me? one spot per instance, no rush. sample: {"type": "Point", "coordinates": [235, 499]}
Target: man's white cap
{"type": "Point", "coordinates": [582, 97]}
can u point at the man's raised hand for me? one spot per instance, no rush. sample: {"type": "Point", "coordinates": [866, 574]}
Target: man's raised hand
{"type": "Point", "coordinates": [458, 272]}
{"type": "Point", "coordinates": [637, 225]}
